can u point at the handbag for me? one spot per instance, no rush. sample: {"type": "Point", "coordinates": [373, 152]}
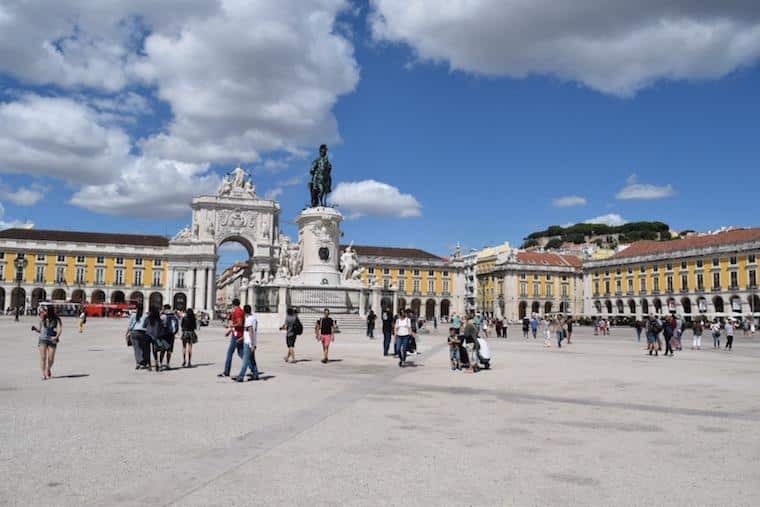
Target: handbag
{"type": "Point", "coordinates": [128, 337]}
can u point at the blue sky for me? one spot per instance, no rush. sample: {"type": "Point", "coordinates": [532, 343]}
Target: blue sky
{"type": "Point", "coordinates": [438, 136]}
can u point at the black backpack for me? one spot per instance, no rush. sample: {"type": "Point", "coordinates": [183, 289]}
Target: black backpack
{"type": "Point", "coordinates": [298, 327]}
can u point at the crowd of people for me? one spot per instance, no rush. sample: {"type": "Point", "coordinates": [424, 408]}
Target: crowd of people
{"type": "Point", "coordinates": [152, 336]}
{"type": "Point", "coordinates": [670, 329]}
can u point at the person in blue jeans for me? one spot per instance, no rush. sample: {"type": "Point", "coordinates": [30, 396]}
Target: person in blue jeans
{"type": "Point", "coordinates": [403, 331]}
{"type": "Point", "coordinates": [387, 318]}
{"type": "Point", "coordinates": [249, 347]}
{"type": "Point", "coordinates": [237, 322]}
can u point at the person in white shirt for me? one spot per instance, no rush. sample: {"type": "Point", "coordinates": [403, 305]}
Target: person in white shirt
{"type": "Point", "coordinates": [715, 328]}
{"type": "Point", "coordinates": [250, 331]}
{"type": "Point", "coordinates": [729, 327]}
{"type": "Point", "coordinates": [403, 331]}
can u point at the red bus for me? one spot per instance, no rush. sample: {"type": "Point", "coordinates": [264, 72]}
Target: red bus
{"type": "Point", "coordinates": [116, 310]}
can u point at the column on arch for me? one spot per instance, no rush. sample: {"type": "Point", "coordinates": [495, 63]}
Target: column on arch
{"type": "Point", "coordinates": [191, 297]}
{"type": "Point", "coordinates": [210, 289]}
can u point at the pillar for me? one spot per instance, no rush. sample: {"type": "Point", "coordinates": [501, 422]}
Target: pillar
{"type": "Point", "coordinates": [204, 295]}
{"type": "Point", "coordinates": [191, 298]}
{"type": "Point", "coordinates": [211, 301]}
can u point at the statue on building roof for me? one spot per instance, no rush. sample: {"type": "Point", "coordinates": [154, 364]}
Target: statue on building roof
{"type": "Point", "coordinates": [237, 183]}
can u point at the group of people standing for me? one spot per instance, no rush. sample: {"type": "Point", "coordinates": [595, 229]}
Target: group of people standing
{"type": "Point", "coordinates": [552, 326]}
{"type": "Point", "coordinates": [152, 335]}
{"type": "Point", "coordinates": [672, 329]}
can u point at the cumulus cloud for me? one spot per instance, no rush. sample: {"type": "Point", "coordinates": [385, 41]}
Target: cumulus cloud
{"type": "Point", "coordinates": [240, 79]}
{"type": "Point", "coordinates": [644, 191]}
{"type": "Point", "coordinates": [23, 196]}
{"type": "Point", "coordinates": [612, 219]}
{"type": "Point", "coordinates": [149, 188]}
{"type": "Point", "coordinates": [616, 47]}
{"type": "Point", "coordinates": [6, 223]}
{"type": "Point", "coordinates": [373, 198]}
{"type": "Point", "coordinates": [568, 201]}
{"type": "Point", "coordinates": [61, 138]}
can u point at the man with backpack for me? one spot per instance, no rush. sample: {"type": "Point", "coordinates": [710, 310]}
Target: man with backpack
{"type": "Point", "coordinates": [171, 327]}
{"type": "Point", "coordinates": [293, 329]}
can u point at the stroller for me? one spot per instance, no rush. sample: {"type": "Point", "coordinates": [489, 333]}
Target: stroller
{"type": "Point", "coordinates": [484, 353]}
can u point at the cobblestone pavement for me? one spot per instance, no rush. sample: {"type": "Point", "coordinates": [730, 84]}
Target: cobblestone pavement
{"type": "Point", "coordinates": [595, 423]}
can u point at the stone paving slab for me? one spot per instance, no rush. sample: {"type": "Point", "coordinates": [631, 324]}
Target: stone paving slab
{"type": "Point", "coordinates": [596, 423]}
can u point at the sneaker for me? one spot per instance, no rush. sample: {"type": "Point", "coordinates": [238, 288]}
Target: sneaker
{"type": "Point", "coordinates": [221, 375]}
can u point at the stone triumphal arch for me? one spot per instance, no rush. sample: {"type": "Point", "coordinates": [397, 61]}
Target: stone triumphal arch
{"type": "Point", "coordinates": [235, 214]}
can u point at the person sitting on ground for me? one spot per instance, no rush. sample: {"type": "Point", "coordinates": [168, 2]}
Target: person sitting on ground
{"type": "Point", "coordinates": [454, 342]}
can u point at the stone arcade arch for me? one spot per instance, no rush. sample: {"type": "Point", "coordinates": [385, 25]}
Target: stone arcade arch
{"type": "Point", "coordinates": [429, 309]}
{"type": "Point", "coordinates": [644, 307]}
{"type": "Point", "coordinates": [180, 301]}
{"type": "Point", "coordinates": [632, 306]}
{"type": "Point", "coordinates": [38, 295]}
{"type": "Point", "coordinates": [98, 297]}
{"type": "Point", "coordinates": [118, 297]}
{"type": "Point", "coordinates": [686, 305]}
{"type": "Point", "coordinates": [754, 303]}
{"type": "Point", "coordinates": [137, 298]}
{"type": "Point", "coordinates": [522, 310]}
{"type": "Point", "coordinates": [401, 304]}
{"type": "Point", "coordinates": [718, 304]}
{"type": "Point", "coordinates": [548, 307]}
{"type": "Point", "coordinates": [58, 295]}
{"type": "Point", "coordinates": [620, 307]}
{"type": "Point", "coordinates": [445, 308]}
{"type": "Point", "coordinates": [608, 307]}
{"type": "Point", "coordinates": [18, 297]}
{"type": "Point", "coordinates": [156, 299]}
{"type": "Point", "coordinates": [78, 296]}
{"type": "Point", "coordinates": [535, 307]}
{"type": "Point", "coordinates": [416, 305]}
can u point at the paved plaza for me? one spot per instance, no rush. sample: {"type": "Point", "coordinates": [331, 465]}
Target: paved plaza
{"type": "Point", "coordinates": [595, 423]}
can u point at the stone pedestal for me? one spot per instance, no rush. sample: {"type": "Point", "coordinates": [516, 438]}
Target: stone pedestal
{"type": "Point", "coordinates": [319, 235]}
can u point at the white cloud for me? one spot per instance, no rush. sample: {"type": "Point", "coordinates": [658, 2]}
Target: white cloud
{"type": "Point", "coordinates": [23, 196]}
{"type": "Point", "coordinates": [612, 219]}
{"type": "Point", "coordinates": [149, 188]}
{"type": "Point", "coordinates": [635, 190]}
{"type": "Point", "coordinates": [274, 193]}
{"type": "Point", "coordinates": [61, 138]}
{"type": "Point", "coordinates": [373, 198]}
{"type": "Point", "coordinates": [616, 47]}
{"type": "Point", "coordinates": [240, 78]}
{"type": "Point", "coordinates": [568, 201]}
{"type": "Point", "coordinates": [10, 223]}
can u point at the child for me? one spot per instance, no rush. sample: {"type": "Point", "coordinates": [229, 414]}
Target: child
{"type": "Point", "coordinates": [454, 342]}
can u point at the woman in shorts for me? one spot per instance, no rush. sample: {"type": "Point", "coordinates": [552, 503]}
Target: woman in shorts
{"type": "Point", "coordinates": [325, 334]}
{"type": "Point", "coordinates": [189, 327]}
{"type": "Point", "coordinates": [50, 333]}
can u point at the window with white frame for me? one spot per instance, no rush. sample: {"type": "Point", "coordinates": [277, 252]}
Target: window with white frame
{"type": "Point", "coordinates": [100, 276]}
{"type": "Point", "coordinates": [80, 259]}
{"type": "Point", "coordinates": [80, 276]}
{"type": "Point", "coordinates": [61, 258]}
{"type": "Point", "coordinates": [41, 257]}
{"type": "Point", "coordinates": [100, 259]}
{"type": "Point", "coordinates": [157, 262]}
{"type": "Point", "coordinates": [416, 286]}
{"type": "Point", "coordinates": [138, 277]}
{"type": "Point", "coordinates": [118, 278]}
{"type": "Point", "coordinates": [180, 279]}
{"type": "Point", "coordinates": [60, 274]}
{"type": "Point", "coordinates": [138, 261]}
{"type": "Point", "coordinates": [446, 286]}
{"type": "Point", "coordinates": [431, 286]}
{"type": "Point", "coordinates": [157, 277]}
{"type": "Point", "coordinates": [120, 261]}
{"type": "Point", "coordinates": [39, 275]}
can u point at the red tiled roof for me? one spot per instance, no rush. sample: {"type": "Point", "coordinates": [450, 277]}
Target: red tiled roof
{"type": "Point", "coordinates": [383, 251]}
{"type": "Point", "coordinates": [548, 259]}
{"type": "Point", "coordinates": [731, 237]}
{"type": "Point", "coordinates": [85, 237]}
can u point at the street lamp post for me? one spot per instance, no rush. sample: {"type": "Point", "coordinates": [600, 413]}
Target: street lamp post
{"type": "Point", "coordinates": [20, 264]}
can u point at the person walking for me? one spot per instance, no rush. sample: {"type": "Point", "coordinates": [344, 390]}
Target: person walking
{"type": "Point", "coordinates": [652, 330]}
{"type": "Point", "coordinates": [534, 323]}
{"type": "Point", "coordinates": [189, 337]}
{"type": "Point", "coordinates": [667, 332]}
{"type": "Point", "coordinates": [526, 322]}
{"type": "Point", "coordinates": [548, 330]}
{"type": "Point", "coordinates": [171, 328]}
{"type": "Point", "coordinates": [155, 331]}
{"type": "Point", "coordinates": [371, 318]}
{"type": "Point", "coordinates": [50, 329]}
{"type": "Point", "coordinates": [140, 341]}
{"type": "Point", "coordinates": [387, 320]}
{"type": "Point", "coordinates": [498, 325]}
{"type": "Point", "coordinates": [250, 328]}
{"type": "Point", "coordinates": [404, 331]}
{"type": "Point", "coordinates": [697, 330]}
{"type": "Point", "coordinates": [292, 327]}
{"type": "Point", "coordinates": [569, 328]}
{"type": "Point", "coordinates": [237, 323]}
{"type": "Point", "coordinates": [82, 321]}
{"type": "Point", "coordinates": [729, 327]}
{"type": "Point", "coordinates": [325, 331]}
{"type": "Point", "coordinates": [638, 326]}
{"type": "Point", "coordinates": [484, 326]}
{"type": "Point", "coordinates": [715, 329]}
{"type": "Point", "coordinates": [560, 328]}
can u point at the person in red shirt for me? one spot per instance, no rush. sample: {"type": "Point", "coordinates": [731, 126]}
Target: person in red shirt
{"type": "Point", "coordinates": [237, 323]}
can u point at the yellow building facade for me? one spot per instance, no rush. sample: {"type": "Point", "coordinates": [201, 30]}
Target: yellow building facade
{"type": "Point", "coordinates": [428, 284]}
{"type": "Point", "coordinates": [81, 267]}
{"type": "Point", "coordinates": [710, 275]}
